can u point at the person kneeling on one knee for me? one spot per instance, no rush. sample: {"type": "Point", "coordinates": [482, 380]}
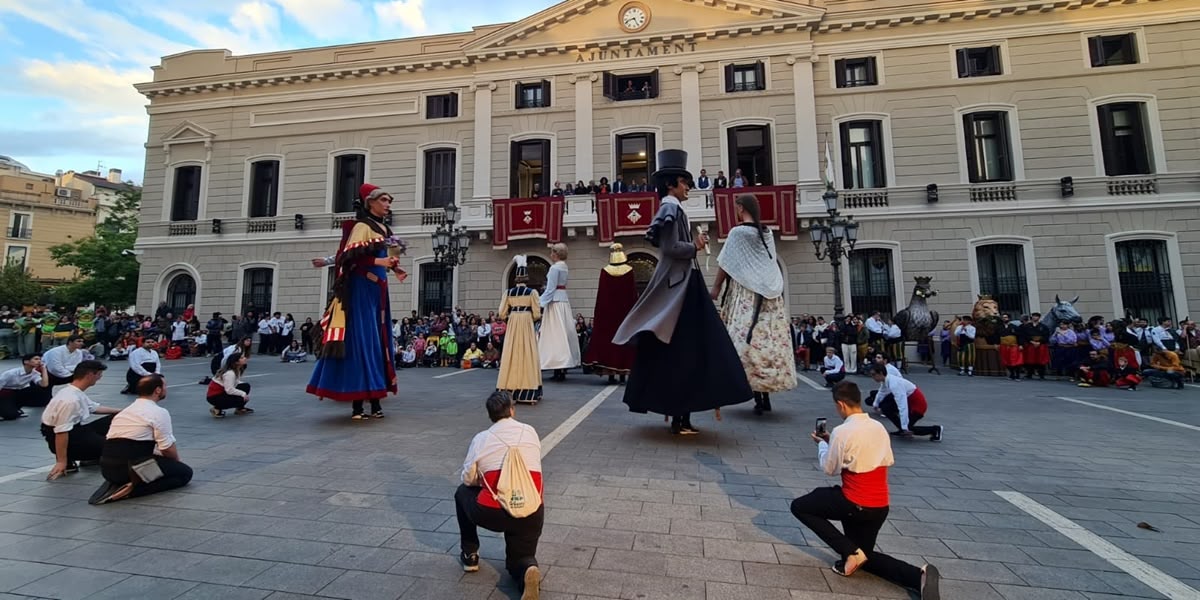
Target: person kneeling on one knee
{"type": "Point", "coordinates": [902, 402]}
{"type": "Point", "coordinates": [140, 456]}
{"type": "Point", "coordinates": [833, 368]}
{"type": "Point", "coordinates": [477, 506]}
{"type": "Point", "coordinates": [860, 452]}
{"type": "Point", "coordinates": [70, 439]}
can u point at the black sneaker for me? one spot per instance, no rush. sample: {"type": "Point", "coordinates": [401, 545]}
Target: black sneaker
{"type": "Point", "coordinates": [72, 467]}
{"type": "Point", "coordinates": [930, 581]}
{"type": "Point", "coordinates": [470, 562]}
{"type": "Point", "coordinates": [89, 463]}
{"type": "Point", "coordinates": [110, 492]}
{"type": "Point", "coordinates": [937, 434]}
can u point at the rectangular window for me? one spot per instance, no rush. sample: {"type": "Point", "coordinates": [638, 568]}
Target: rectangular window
{"type": "Point", "coordinates": [635, 157]}
{"type": "Point", "coordinates": [862, 155]}
{"type": "Point", "coordinates": [21, 227]}
{"type": "Point", "coordinates": [17, 256]}
{"type": "Point", "coordinates": [439, 177]}
{"type": "Point", "coordinates": [533, 95]}
{"type": "Point", "coordinates": [989, 151]}
{"type": "Point", "coordinates": [441, 106]}
{"type": "Point", "coordinates": [264, 189]}
{"type": "Point", "coordinates": [1110, 50]}
{"type": "Point", "coordinates": [872, 287]}
{"type": "Point", "coordinates": [631, 87]}
{"type": "Point", "coordinates": [750, 155]}
{"type": "Point", "coordinates": [1123, 139]}
{"type": "Point", "coordinates": [257, 287]}
{"type": "Point", "coordinates": [349, 172]}
{"type": "Point", "coordinates": [855, 72]}
{"type": "Point", "coordinates": [530, 172]}
{"type": "Point", "coordinates": [437, 288]}
{"type": "Point", "coordinates": [1145, 278]}
{"type": "Point", "coordinates": [185, 197]}
{"type": "Point", "coordinates": [979, 62]}
{"type": "Point", "coordinates": [1002, 276]}
{"type": "Point", "coordinates": [745, 78]}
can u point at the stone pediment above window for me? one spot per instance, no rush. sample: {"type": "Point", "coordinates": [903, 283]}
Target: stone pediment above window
{"type": "Point", "coordinates": [582, 24]}
{"type": "Point", "coordinates": [188, 132]}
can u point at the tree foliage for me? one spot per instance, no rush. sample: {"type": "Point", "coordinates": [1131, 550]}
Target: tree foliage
{"type": "Point", "coordinates": [106, 276]}
{"type": "Point", "coordinates": [17, 287]}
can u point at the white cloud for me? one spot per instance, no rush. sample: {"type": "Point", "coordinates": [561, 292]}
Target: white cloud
{"type": "Point", "coordinates": [86, 87]}
{"type": "Point", "coordinates": [407, 13]}
{"type": "Point", "coordinates": [108, 37]}
{"type": "Point", "coordinates": [253, 27]}
{"type": "Point", "coordinates": [329, 19]}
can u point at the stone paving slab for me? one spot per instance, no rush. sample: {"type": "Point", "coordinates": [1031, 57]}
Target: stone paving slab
{"type": "Point", "coordinates": [297, 501]}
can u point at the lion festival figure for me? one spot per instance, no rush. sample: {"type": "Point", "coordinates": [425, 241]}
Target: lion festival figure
{"type": "Point", "coordinates": [917, 321]}
{"type": "Point", "coordinates": [988, 327]}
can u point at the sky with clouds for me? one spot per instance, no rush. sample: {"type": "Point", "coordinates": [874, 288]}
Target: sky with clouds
{"type": "Point", "coordinates": [69, 65]}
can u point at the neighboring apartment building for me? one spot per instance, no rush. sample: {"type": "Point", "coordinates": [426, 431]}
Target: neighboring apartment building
{"type": "Point", "coordinates": [1018, 148]}
{"type": "Point", "coordinates": [38, 214]}
{"type": "Point", "coordinates": [105, 191]}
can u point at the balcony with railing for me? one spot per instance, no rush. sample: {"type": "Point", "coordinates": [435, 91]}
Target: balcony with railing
{"type": "Point", "coordinates": [17, 232]}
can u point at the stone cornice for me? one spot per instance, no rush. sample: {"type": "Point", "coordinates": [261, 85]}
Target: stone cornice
{"type": "Point", "coordinates": [953, 12]}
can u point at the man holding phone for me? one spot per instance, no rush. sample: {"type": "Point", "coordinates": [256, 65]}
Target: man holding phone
{"type": "Point", "coordinates": [860, 451]}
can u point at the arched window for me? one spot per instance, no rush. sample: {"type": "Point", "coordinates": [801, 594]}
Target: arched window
{"type": "Point", "coordinates": [437, 288]}
{"type": "Point", "coordinates": [1002, 276]}
{"type": "Point", "coordinates": [181, 292]}
{"type": "Point", "coordinates": [1144, 275]}
{"type": "Point", "coordinates": [257, 288]}
{"type": "Point", "coordinates": [872, 283]}
{"type": "Point", "coordinates": [537, 269]}
{"type": "Point", "coordinates": [643, 269]}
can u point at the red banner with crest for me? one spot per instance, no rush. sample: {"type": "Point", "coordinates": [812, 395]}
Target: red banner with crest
{"type": "Point", "coordinates": [620, 215]}
{"type": "Point", "coordinates": [527, 219]}
{"type": "Point", "coordinates": [777, 204]}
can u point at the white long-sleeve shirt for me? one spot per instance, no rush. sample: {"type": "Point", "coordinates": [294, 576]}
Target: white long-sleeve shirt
{"type": "Point", "coordinates": [859, 445]}
{"type": "Point", "coordinates": [834, 364]}
{"type": "Point", "coordinates": [61, 361]}
{"type": "Point", "coordinates": [556, 278]}
{"type": "Point", "coordinates": [893, 332]}
{"type": "Point", "coordinates": [968, 330]}
{"type": "Point", "coordinates": [483, 331]}
{"type": "Point", "coordinates": [1157, 337]}
{"type": "Point", "coordinates": [141, 356]}
{"type": "Point", "coordinates": [875, 326]}
{"type": "Point", "coordinates": [229, 380]}
{"type": "Point", "coordinates": [178, 331]}
{"type": "Point", "coordinates": [899, 388]}
{"type": "Point", "coordinates": [18, 379]}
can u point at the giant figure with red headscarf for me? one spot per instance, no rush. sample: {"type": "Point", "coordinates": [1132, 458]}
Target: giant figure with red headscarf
{"type": "Point", "coordinates": [355, 361]}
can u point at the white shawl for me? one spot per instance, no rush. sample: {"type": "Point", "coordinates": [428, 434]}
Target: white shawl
{"type": "Point", "coordinates": [747, 261]}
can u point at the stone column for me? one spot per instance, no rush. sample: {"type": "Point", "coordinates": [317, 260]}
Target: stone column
{"type": "Point", "coordinates": [482, 180]}
{"type": "Point", "coordinates": [807, 145]}
{"type": "Point", "coordinates": [689, 84]}
{"type": "Point", "coordinates": [584, 136]}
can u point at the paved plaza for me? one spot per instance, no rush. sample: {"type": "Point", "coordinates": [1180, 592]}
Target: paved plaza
{"type": "Point", "coordinates": [298, 501]}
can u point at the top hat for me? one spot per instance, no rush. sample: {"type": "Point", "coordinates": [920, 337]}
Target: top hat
{"type": "Point", "coordinates": [672, 163]}
{"type": "Point", "coordinates": [616, 255]}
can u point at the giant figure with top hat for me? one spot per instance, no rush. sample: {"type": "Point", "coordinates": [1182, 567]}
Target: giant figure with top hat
{"type": "Point", "coordinates": [355, 361]}
{"type": "Point", "coordinates": [685, 359]}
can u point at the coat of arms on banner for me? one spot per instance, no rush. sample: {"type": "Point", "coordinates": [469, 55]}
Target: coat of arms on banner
{"type": "Point", "coordinates": [528, 217]}
{"type": "Point", "coordinates": [634, 216]}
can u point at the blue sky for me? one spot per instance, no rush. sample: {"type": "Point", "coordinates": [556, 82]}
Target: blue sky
{"type": "Point", "coordinates": [69, 65]}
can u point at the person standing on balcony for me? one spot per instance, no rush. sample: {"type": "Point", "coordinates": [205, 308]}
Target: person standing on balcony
{"type": "Point", "coordinates": [685, 360]}
{"type": "Point", "coordinates": [558, 345]}
{"type": "Point", "coordinates": [356, 359]}
{"type": "Point", "coordinates": [753, 307]}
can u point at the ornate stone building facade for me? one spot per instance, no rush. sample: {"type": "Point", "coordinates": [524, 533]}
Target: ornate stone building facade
{"type": "Point", "coordinates": [1021, 148]}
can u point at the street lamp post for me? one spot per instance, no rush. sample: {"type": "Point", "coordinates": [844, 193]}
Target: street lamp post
{"type": "Point", "coordinates": [450, 243]}
{"type": "Point", "coordinates": [833, 238]}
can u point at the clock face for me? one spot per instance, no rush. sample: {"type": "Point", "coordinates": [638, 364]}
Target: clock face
{"type": "Point", "coordinates": [634, 18]}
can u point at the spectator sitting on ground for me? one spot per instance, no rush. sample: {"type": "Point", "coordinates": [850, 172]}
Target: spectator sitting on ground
{"type": "Point", "coordinates": [141, 438]}
{"type": "Point", "coordinates": [431, 355]}
{"type": "Point", "coordinates": [477, 506]}
{"type": "Point", "coordinates": [1165, 364]}
{"type": "Point", "coordinates": [491, 357]}
{"type": "Point", "coordinates": [408, 357]}
{"type": "Point", "coordinates": [474, 356]}
{"type": "Point", "coordinates": [26, 385]}
{"type": "Point", "coordinates": [70, 439]}
{"type": "Point", "coordinates": [294, 353]}
{"type": "Point", "coordinates": [833, 368]}
{"type": "Point", "coordinates": [121, 349]}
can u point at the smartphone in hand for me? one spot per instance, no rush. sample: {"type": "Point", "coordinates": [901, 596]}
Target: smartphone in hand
{"type": "Point", "coordinates": [820, 427]}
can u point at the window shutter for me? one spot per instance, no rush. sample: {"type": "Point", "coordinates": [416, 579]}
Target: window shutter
{"type": "Point", "coordinates": [760, 76]}
{"type": "Point", "coordinates": [1141, 156]}
{"type": "Point", "coordinates": [1108, 141]}
{"type": "Point", "coordinates": [609, 84]}
{"type": "Point", "coordinates": [518, 102]}
{"type": "Point", "coordinates": [1096, 49]}
{"type": "Point", "coordinates": [963, 64]}
{"type": "Point", "coordinates": [514, 166]}
{"type": "Point", "coordinates": [1006, 152]}
{"type": "Point", "coordinates": [729, 83]}
{"type": "Point", "coordinates": [453, 112]}
{"type": "Point", "coordinates": [546, 162]}
{"type": "Point", "coordinates": [654, 83]}
{"type": "Point", "coordinates": [731, 136]}
{"type": "Point", "coordinates": [847, 166]}
{"type": "Point", "coordinates": [839, 72]}
{"type": "Point", "coordinates": [969, 135]}
{"type": "Point", "coordinates": [997, 65]}
{"type": "Point", "coordinates": [1131, 48]}
{"type": "Point", "coordinates": [651, 155]}
{"type": "Point", "coordinates": [545, 96]}
{"type": "Point", "coordinates": [871, 75]}
{"type": "Point", "coordinates": [877, 150]}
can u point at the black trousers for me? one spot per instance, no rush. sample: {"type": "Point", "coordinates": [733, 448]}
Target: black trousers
{"type": "Point", "coordinates": [131, 376]}
{"type": "Point", "coordinates": [834, 377]}
{"type": "Point", "coordinates": [214, 343]}
{"type": "Point", "coordinates": [520, 535]}
{"type": "Point", "coordinates": [11, 401]}
{"type": "Point", "coordinates": [266, 343]}
{"type": "Point", "coordinates": [890, 410]}
{"type": "Point", "coordinates": [56, 380]}
{"type": "Point", "coordinates": [229, 401]}
{"type": "Point", "coordinates": [175, 475]}
{"type": "Point", "coordinates": [817, 508]}
{"type": "Point", "coordinates": [357, 406]}
{"type": "Point", "coordinates": [84, 441]}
